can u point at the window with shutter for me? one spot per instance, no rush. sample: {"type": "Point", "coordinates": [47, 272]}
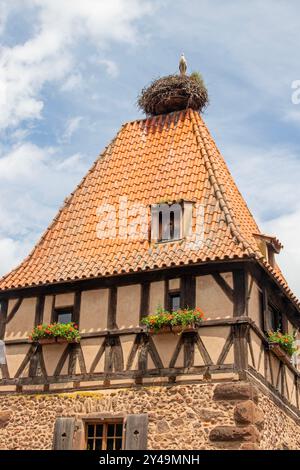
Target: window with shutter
{"type": "Point", "coordinates": [130, 433]}
{"type": "Point", "coordinates": [104, 435]}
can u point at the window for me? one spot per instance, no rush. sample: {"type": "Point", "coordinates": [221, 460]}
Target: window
{"type": "Point", "coordinates": [63, 315]}
{"type": "Point", "coordinates": [275, 319]}
{"type": "Point", "coordinates": [166, 222]}
{"type": "Point", "coordinates": [104, 435]}
{"type": "Point", "coordinates": [174, 301]}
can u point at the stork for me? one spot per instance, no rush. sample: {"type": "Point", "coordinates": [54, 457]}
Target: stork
{"type": "Point", "coordinates": [182, 65]}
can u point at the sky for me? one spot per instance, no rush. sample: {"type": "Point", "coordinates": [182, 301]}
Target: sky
{"type": "Point", "coordinates": [70, 74]}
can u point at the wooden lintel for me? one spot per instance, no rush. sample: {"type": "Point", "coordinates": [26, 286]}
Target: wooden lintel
{"type": "Point", "coordinates": [123, 279]}
{"type": "Point", "coordinates": [132, 374]}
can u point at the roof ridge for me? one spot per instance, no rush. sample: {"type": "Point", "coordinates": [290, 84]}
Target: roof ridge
{"type": "Point", "coordinates": [220, 194]}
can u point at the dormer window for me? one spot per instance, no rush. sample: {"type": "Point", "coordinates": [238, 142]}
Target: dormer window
{"type": "Point", "coordinates": [269, 246]}
{"type": "Point", "coordinates": [166, 222]}
{"type": "Point", "coordinates": [170, 221]}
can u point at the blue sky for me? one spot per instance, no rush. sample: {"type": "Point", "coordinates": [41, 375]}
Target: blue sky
{"type": "Point", "coordinates": [70, 73]}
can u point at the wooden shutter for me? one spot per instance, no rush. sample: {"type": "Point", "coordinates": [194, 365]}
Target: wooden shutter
{"type": "Point", "coordinates": [136, 432]}
{"type": "Point", "coordinates": [63, 434]}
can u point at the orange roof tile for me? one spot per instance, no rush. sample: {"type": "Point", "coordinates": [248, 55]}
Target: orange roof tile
{"type": "Point", "coordinates": [171, 156]}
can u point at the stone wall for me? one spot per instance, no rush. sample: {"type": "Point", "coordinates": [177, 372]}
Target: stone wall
{"type": "Point", "coordinates": [198, 416]}
{"type": "Point", "coordinates": [280, 431]}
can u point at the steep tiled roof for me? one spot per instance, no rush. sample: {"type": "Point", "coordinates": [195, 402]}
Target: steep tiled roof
{"type": "Point", "coordinates": [165, 157]}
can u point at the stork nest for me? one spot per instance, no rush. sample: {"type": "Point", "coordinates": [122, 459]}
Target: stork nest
{"type": "Point", "coordinates": [174, 93]}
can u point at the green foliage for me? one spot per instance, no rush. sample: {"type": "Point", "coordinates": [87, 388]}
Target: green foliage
{"type": "Point", "coordinates": [197, 77]}
{"type": "Point", "coordinates": [286, 341]}
{"type": "Point", "coordinates": [67, 331]}
{"type": "Point", "coordinates": [182, 317]}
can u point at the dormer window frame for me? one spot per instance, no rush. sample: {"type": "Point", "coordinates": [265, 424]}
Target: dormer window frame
{"type": "Point", "coordinates": [157, 232]}
{"type": "Point", "coordinates": [269, 246]}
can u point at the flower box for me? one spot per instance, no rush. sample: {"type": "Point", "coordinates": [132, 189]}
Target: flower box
{"type": "Point", "coordinates": [279, 352]}
{"type": "Point", "coordinates": [53, 341]}
{"type": "Point", "coordinates": [282, 344]}
{"type": "Point", "coordinates": [176, 322]}
{"type": "Point", "coordinates": [55, 333]}
{"type": "Point", "coordinates": [178, 329]}
{"type": "Point", "coordinates": [46, 341]}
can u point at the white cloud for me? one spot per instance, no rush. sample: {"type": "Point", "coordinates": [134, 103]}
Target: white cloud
{"type": "Point", "coordinates": [289, 259]}
{"type": "Point", "coordinates": [73, 81]}
{"type": "Point", "coordinates": [3, 17]}
{"type": "Point", "coordinates": [292, 116]}
{"type": "Point", "coordinates": [267, 176]}
{"type": "Point", "coordinates": [72, 126]}
{"type": "Point", "coordinates": [48, 55]}
{"type": "Point", "coordinates": [33, 182]}
{"type": "Point", "coordinates": [110, 66]}
{"type": "Point", "coordinates": [34, 179]}
{"type": "Point", "coordinates": [12, 252]}
{"type": "Point", "coordinates": [251, 47]}
{"type": "Point", "coordinates": [269, 179]}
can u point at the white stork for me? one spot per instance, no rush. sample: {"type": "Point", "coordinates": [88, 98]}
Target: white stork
{"type": "Point", "coordinates": [182, 65]}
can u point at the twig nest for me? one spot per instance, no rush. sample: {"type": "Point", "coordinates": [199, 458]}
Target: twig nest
{"type": "Point", "coordinates": [174, 93]}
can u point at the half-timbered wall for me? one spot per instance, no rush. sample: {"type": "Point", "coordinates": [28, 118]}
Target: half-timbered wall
{"type": "Point", "coordinates": [157, 295]}
{"type": "Point", "coordinates": [93, 311]}
{"type": "Point", "coordinates": [20, 318]}
{"type": "Point", "coordinates": [116, 350]}
{"type": "Point", "coordinates": [210, 295]}
{"type": "Point", "coordinates": [255, 302]}
{"type": "Point", "coordinates": [128, 306]}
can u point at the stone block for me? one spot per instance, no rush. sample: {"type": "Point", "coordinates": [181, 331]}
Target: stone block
{"type": "Point", "coordinates": [248, 413]}
{"type": "Point", "coordinates": [162, 426]}
{"type": "Point", "coordinates": [4, 418]}
{"type": "Point", "coordinates": [234, 433]}
{"type": "Point", "coordinates": [207, 415]}
{"type": "Point", "coordinates": [249, 446]}
{"type": "Point", "coordinates": [236, 391]}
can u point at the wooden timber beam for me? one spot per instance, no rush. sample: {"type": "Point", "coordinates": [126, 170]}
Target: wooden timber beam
{"type": "Point", "coordinates": [239, 292]}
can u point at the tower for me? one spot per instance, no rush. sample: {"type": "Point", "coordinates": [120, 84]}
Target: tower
{"type": "Point", "coordinates": [157, 222]}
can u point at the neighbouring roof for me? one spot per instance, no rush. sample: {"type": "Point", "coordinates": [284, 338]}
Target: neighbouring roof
{"type": "Point", "coordinates": [172, 157]}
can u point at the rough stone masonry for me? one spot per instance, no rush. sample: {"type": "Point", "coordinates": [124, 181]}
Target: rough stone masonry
{"type": "Point", "coordinates": [232, 415]}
